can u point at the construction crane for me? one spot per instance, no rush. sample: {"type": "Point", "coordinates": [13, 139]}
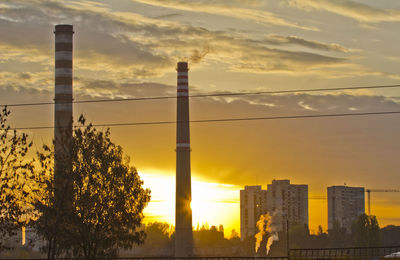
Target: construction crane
{"type": "Point", "coordinates": [368, 191]}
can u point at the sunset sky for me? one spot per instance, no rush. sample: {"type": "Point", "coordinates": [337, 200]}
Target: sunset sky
{"type": "Point", "coordinates": [129, 48]}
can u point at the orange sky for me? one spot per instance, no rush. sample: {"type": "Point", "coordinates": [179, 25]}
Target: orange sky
{"type": "Point", "coordinates": [216, 203]}
{"type": "Point", "coordinates": [129, 48]}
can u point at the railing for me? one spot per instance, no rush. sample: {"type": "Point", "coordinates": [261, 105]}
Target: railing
{"type": "Point", "coordinates": [203, 258]}
{"type": "Point", "coordinates": [345, 253]}
{"type": "Point", "coordinates": [173, 258]}
{"type": "Point", "coordinates": [361, 253]}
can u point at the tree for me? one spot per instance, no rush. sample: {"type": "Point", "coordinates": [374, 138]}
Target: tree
{"type": "Point", "coordinates": [234, 234]}
{"type": "Point", "coordinates": [107, 199]}
{"type": "Point", "coordinates": [15, 174]}
{"type": "Point", "coordinates": [299, 235]}
{"type": "Point", "coordinates": [319, 240]}
{"type": "Point", "coordinates": [390, 235]}
{"type": "Point", "coordinates": [366, 231]}
{"type": "Point", "coordinates": [157, 234]}
{"type": "Point", "coordinates": [52, 225]}
{"type": "Point", "coordinates": [338, 236]}
{"type": "Point", "coordinates": [221, 228]}
{"type": "Point", "coordinates": [320, 230]}
{"type": "Point", "coordinates": [159, 240]}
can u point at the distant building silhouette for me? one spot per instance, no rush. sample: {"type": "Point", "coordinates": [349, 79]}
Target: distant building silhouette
{"type": "Point", "coordinates": [282, 201]}
{"type": "Point", "coordinates": [345, 204]}
{"type": "Point", "coordinates": [252, 205]}
{"type": "Point", "coordinates": [209, 242]}
{"type": "Point", "coordinates": [287, 201]}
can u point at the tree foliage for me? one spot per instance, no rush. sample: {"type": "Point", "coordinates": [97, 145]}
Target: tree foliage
{"type": "Point", "coordinates": [52, 225]}
{"type": "Point", "coordinates": [16, 190]}
{"type": "Point", "coordinates": [158, 233]}
{"type": "Point", "coordinates": [107, 199]}
{"type": "Point", "coordinates": [158, 236]}
{"type": "Point", "coordinates": [390, 235]}
{"type": "Point", "coordinates": [338, 236]}
{"type": "Point", "coordinates": [366, 231]}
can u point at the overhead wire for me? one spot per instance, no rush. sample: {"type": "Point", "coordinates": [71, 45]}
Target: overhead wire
{"type": "Point", "coordinates": [222, 120]}
{"type": "Point", "coordinates": [226, 94]}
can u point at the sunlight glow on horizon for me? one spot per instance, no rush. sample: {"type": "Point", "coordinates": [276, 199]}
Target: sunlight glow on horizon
{"type": "Point", "coordinates": [212, 203]}
{"type": "Point", "coordinates": [218, 203]}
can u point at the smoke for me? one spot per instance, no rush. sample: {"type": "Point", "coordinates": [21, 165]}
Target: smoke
{"type": "Point", "coordinates": [271, 239]}
{"type": "Point", "coordinates": [267, 233]}
{"type": "Point", "coordinates": [263, 225]}
{"type": "Point", "coordinates": [197, 56]}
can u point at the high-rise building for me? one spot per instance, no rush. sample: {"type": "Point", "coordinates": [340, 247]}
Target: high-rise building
{"type": "Point", "coordinates": [345, 204]}
{"type": "Point", "coordinates": [287, 202]}
{"type": "Point", "coordinates": [252, 206]}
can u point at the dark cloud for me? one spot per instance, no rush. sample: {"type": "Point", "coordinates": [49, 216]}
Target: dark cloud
{"type": "Point", "coordinates": [108, 88]}
{"type": "Point", "coordinates": [197, 56]}
{"type": "Point", "coordinates": [319, 152]}
{"type": "Point", "coordinates": [141, 47]}
{"type": "Point", "coordinates": [282, 40]}
{"type": "Point", "coordinates": [25, 76]}
{"type": "Point", "coordinates": [356, 10]}
{"type": "Point", "coordinates": [245, 10]}
{"type": "Point", "coordinates": [265, 59]}
{"type": "Point", "coordinates": [25, 34]}
{"type": "Point", "coordinates": [166, 16]}
{"type": "Point", "coordinates": [96, 36]}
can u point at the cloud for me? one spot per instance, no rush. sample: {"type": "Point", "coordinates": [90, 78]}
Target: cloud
{"type": "Point", "coordinates": [39, 81]}
{"type": "Point", "coordinates": [264, 60]}
{"type": "Point", "coordinates": [358, 11]}
{"type": "Point", "coordinates": [197, 56]}
{"type": "Point", "coordinates": [335, 102]}
{"type": "Point", "coordinates": [294, 40]}
{"type": "Point", "coordinates": [230, 9]}
{"type": "Point", "coordinates": [116, 51]}
{"type": "Point", "coordinates": [91, 88]}
{"type": "Point", "coordinates": [129, 46]}
{"type": "Point", "coordinates": [351, 149]}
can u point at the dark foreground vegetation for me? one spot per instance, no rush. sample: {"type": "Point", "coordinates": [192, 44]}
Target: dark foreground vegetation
{"type": "Point", "coordinates": [93, 209]}
{"type": "Point", "coordinates": [211, 242]}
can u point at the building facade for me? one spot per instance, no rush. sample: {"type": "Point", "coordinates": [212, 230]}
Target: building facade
{"type": "Point", "coordinates": [287, 203]}
{"type": "Point", "coordinates": [345, 205]}
{"type": "Point", "coordinates": [252, 205]}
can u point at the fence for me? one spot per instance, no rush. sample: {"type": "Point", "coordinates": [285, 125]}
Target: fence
{"type": "Point", "coordinates": [170, 258]}
{"type": "Point", "coordinates": [362, 253]}
{"type": "Point", "coordinates": [345, 253]}
{"type": "Point", "coordinates": [205, 258]}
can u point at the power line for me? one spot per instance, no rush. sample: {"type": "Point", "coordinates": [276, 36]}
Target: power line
{"type": "Point", "coordinates": [223, 120]}
{"type": "Point", "coordinates": [204, 95]}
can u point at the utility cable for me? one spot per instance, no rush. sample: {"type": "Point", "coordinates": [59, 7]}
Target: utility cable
{"type": "Point", "coordinates": [222, 120]}
{"type": "Point", "coordinates": [227, 94]}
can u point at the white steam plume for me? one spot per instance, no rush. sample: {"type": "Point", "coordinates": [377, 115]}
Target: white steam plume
{"type": "Point", "coordinates": [266, 228]}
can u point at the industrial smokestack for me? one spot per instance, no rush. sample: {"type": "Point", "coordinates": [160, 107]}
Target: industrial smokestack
{"type": "Point", "coordinates": [63, 111]}
{"type": "Point", "coordinates": [183, 212]}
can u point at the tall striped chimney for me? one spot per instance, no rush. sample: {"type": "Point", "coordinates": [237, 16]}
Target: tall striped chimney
{"type": "Point", "coordinates": [63, 111]}
{"type": "Point", "coordinates": [183, 212]}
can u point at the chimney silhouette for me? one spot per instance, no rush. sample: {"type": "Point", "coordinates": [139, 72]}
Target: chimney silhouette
{"type": "Point", "coordinates": [63, 111]}
{"type": "Point", "coordinates": [183, 212]}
